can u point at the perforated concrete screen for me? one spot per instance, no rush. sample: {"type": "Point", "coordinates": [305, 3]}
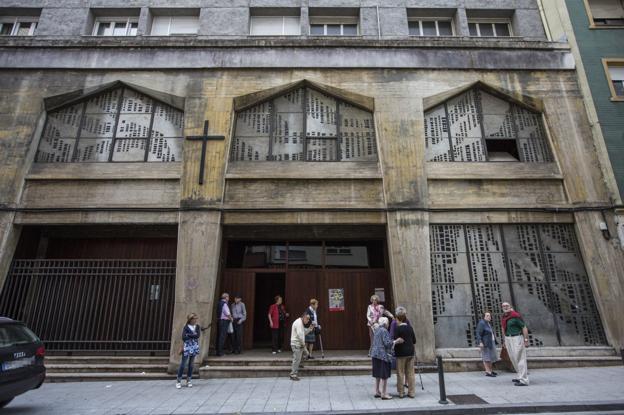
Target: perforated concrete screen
{"type": "Point", "coordinates": [304, 125]}
{"type": "Point", "coordinates": [116, 125]}
{"type": "Point", "coordinates": [478, 126]}
{"type": "Point", "coordinates": [537, 268]}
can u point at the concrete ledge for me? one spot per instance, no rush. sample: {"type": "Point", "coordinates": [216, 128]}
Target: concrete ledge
{"type": "Point", "coordinates": [303, 170]}
{"type": "Point", "coordinates": [105, 171]}
{"type": "Point", "coordinates": [493, 170]}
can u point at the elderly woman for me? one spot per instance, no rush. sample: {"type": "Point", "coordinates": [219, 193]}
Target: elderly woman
{"type": "Point", "coordinates": [381, 353]}
{"type": "Point", "coordinates": [487, 343]}
{"type": "Point", "coordinates": [374, 311]}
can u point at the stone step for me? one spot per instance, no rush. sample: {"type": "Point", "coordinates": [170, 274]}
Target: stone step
{"type": "Point", "coordinates": [285, 361]}
{"type": "Point", "coordinates": [584, 351]}
{"type": "Point", "coordinates": [219, 372]}
{"type": "Point", "coordinates": [123, 360]}
{"type": "Point", "coordinates": [94, 367]}
{"type": "Point", "coordinates": [106, 376]}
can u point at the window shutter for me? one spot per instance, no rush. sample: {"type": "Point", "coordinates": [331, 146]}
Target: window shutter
{"type": "Point", "coordinates": [266, 25]}
{"type": "Point", "coordinates": [160, 25]}
{"type": "Point", "coordinates": [616, 73]}
{"type": "Point", "coordinates": [292, 26]}
{"type": "Point", "coordinates": [184, 25]}
{"type": "Point", "coordinates": [607, 9]}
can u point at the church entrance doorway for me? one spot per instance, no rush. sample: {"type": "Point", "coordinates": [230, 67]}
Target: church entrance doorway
{"type": "Point", "coordinates": [340, 274]}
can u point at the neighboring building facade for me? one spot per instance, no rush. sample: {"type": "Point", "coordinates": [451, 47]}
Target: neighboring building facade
{"type": "Point", "coordinates": [438, 155]}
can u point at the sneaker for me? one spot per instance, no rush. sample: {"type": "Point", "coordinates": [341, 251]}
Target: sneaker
{"type": "Point", "coordinates": [178, 385]}
{"type": "Point", "coordinates": [273, 352]}
{"type": "Point", "coordinates": [279, 351]}
{"type": "Point", "coordinates": [490, 375]}
{"type": "Point", "coordinates": [294, 377]}
{"type": "Point", "coordinates": [520, 384]}
{"type": "Point", "coordinates": [189, 385]}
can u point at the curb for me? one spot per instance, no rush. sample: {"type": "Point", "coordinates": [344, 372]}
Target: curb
{"type": "Point", "coordinates": [528, 408]}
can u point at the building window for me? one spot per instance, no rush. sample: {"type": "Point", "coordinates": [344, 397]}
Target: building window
{"type": "Point", "coordinates": [120, 124]}
{"type": "Point", "coordinates": [478, 126]}
{"type": "Point", "coordinates": [17, 26]}
{"type": "Point", "coordinates": [116, 26]}
{"type": "Point", "coordinates": [614, 69]}
{"type": "Point", "coordinates": [304, 125]}
{"type": "Point", "coordinates": [536, 267]}
{"type": "Point", "coordinates": [330, 25]}
{"type": "Point", "coordinates": [175, 25]}
{"type": "Point", "coordinates": [275, 26]}
{"type": "Point", "coordinates": [605, 12]}
{"type": "Point", "coordinates": [430, 27]}
{"type": "Point", "coordinates": [483, 28]}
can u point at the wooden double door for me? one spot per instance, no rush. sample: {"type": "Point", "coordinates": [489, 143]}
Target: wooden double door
{"type": "Point", "coordinates": [345, 329]}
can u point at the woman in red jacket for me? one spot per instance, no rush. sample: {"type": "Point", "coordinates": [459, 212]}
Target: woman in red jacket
{"type": "Point", "coordinates": [277, 322]}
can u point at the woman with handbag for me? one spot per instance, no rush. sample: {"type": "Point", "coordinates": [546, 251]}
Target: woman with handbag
{"type": "Point", "coordinates": [310, 338]}
{"type": "Point", "coordinates": [190, 349]}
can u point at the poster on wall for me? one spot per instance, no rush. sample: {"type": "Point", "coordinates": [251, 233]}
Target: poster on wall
{"type": "Point", "coordinates": [336, 299]}
{"type": "Point", "coordinates": [381, 293]}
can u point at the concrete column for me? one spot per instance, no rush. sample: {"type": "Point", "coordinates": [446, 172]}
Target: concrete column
{"type": "Point", "coordinates": [410, 266]}
{"type": "Point", "coordinates": [197, 270]}
{"type": "Point", "coordinates": [604, 261]}
{"type": "Point", "coordinates": [461, 22]}
{"type": "Point", "coordinates": [9, 236]}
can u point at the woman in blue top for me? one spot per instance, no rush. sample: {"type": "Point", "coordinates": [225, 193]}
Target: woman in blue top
{"type": "Point", "coordinates": [487, 343]}
{"type": "Point", "coordinates": [381, 352]}
{"type": "Point", "coordinates": [190, 337]}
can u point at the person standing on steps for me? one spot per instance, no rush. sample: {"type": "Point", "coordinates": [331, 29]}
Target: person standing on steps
{"type": "Point", "coordinates": [277, 322]}
{"type": "Point", "coordinates": [300, 328]}
{"type": "Point", "coordinates": [225, 318]}
{"type": "Point", "coordinates": [239, 315]}
{"type": "Point", "coordinates": [190, 349]}
{"type": "Point", "coordinates": [310, 338]}
{"type": "Point", "coordinates": [487, 343]}
{"type": "Point", "coordinates": [516, 342]}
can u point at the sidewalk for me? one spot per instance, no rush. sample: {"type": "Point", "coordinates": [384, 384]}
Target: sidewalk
{"type": "Point", "coordinates": [322, 394]}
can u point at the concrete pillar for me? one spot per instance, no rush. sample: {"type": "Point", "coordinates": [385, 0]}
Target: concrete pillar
{"type": "Point", "coordinates": [410, 266]}
{"type": "Point", "coordinates": [9, 237]}
{"type": "Point", "coordinates": [197, 270]}
{"type": "Point", "coordinates": [461, 22]}
{"type": "Point", "coordinates": [604, 261]}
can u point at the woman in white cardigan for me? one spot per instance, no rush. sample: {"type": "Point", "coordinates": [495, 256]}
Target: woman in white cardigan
{"type": "Point", "coordinates": [374, 311]}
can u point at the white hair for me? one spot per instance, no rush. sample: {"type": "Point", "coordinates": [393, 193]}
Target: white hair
{"type": "Point", "coordinates": [383, 321]}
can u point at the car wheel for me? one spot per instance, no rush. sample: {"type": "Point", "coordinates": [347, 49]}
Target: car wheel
{"type": "Point", "coordinates": [5, 403]}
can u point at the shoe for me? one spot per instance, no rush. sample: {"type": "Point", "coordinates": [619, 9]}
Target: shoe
{"type": "Point", "coordinates": [494, 373]}
{"type": "Point", "coordinates": [520, 384]}
{"type": "Point", "coordinates": [311, 357]}
{"type": "Point", "coordinates": [386, 398]}
{"type": "Point", "coordinates": [178, 385]}
{"type": "Point", "coordinates": [490, 375]}
{"type": "Point", "coordinates": [401, 396]}
{"type": "Point", "coordinates": [294, 377]}
{"type": "Point", "coordinates": [189, 385]}
{"type": "Point", "coordinates": [273, 352]}
{"type": "Point", "coordinates": [279, 351]}
{"type": "Point", "coordinates": [378, 395]}
{"type": "Point", "coordinates": [411, 396]}
{"type": "Point", "coordinates": [515, 380]}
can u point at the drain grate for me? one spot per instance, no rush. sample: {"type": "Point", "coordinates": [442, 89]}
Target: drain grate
{"type": "Point", "coordinates": [465, 399]}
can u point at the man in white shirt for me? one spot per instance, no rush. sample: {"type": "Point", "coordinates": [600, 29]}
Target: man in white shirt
{"type": "Point", "coordinates": [297, 342]}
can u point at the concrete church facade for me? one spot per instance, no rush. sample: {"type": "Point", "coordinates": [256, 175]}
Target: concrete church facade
{"type": "Point", "coordinates": [435, 152]}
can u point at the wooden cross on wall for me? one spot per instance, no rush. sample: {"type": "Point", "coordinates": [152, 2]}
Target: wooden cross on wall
{"type": "Point", "coordinates": [204, 139]}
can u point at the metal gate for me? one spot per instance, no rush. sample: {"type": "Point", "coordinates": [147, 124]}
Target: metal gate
{"type": "Point", "coordinates": [93, 305]}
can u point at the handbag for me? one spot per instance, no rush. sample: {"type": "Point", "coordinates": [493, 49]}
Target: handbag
{"type": "Point", "coordinates": [230, 328]}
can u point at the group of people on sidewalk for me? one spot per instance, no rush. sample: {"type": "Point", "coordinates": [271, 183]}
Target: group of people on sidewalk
{"type": "Point", "coordinates": [392, 341]}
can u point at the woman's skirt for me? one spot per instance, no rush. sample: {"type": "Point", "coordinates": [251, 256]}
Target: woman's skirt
{"type": "Point", "coordinates": [488, 354]}
{"type": "Point", "coordinates": [381, 369]}
{"type": "Point", "coordinates": [310, 337]}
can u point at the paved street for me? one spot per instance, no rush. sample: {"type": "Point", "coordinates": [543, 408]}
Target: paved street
{"type": "Point", "coordinates": [312, 394]}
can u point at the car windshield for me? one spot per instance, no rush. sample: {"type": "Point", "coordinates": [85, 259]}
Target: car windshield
{"type": "Point", "coordinates": [15, 334]}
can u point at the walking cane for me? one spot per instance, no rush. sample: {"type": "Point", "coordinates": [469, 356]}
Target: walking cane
{"type": "Point", "coordinates": [420, 376]}
{"type": "Point", "coordinates": [321, 344]}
